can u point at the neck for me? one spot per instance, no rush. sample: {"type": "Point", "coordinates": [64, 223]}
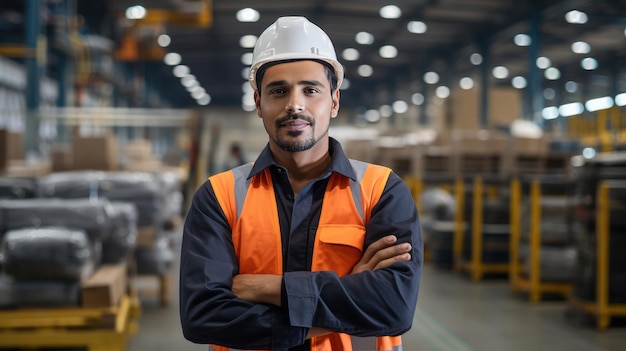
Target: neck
{"type": "Point", "coordinates": [303, 167]}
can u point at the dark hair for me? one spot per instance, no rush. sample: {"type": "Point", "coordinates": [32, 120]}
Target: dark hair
{"type": "Point", "coordinates": [330, 72]}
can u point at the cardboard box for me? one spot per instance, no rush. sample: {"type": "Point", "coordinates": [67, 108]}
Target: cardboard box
{"type": "Point", "coordinates": [105, 287]}
{"type": "Point", "coordinates": [98, 152]}
{"type": "Point", "coordinates": [146, 236]}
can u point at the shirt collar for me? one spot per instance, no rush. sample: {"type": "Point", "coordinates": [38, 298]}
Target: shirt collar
{"type": "Point", "coordinates": [339, 161]}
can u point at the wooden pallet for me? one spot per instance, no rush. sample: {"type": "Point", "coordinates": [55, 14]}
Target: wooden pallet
{"type": "Point", "coordinates": [97, 329]}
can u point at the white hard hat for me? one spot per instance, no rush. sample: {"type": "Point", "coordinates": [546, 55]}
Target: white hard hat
{"type": "Point", "coordinates": [293, 38]}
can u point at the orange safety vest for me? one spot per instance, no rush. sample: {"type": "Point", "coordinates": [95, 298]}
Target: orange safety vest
{"type": "Point", "coordinates": [338, 242]}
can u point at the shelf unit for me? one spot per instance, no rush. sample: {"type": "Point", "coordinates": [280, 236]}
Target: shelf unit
{"type": "Point", "coordinates": [532, 282]}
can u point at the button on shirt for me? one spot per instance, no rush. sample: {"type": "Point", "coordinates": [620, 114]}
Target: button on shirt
{"type": "Point", "coordinates": [365, 304]}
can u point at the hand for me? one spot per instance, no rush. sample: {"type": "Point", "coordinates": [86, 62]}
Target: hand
{"type": "Point", "coordinates": [382, 253]}
{"type": "Point", "coordinates": [258, 288]}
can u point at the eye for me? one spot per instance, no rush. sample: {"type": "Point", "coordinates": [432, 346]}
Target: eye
{"type": "Point", "coordinates": [311, 90]}
{"type": "Point", "coordinates": [278, 91]}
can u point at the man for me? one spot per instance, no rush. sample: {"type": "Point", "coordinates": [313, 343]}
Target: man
{"type": "Point", "coordinates": [305, 249]}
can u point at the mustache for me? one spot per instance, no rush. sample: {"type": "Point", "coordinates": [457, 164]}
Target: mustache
{"type": "Point", "coordinates": [292, 116]}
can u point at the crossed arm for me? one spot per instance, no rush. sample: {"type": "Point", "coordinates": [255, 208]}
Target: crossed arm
{"type": "Point", "coordinates": [266, 288]}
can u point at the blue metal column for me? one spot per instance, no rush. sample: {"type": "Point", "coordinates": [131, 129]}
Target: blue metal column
{"type": "Point", "coordinates": [484, 83]}
{"type": "Point", "coordinates": [535, 96]}
{"type": "Point", "coordinates": [33, 80]}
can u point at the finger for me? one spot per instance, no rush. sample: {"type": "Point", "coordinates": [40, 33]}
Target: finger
{"type": "Point", "coordinates": [378, 245]}
{"type": "Point", "coordinates": [390, 252]}
{"type": "Point", "coordinates": [388, 262]}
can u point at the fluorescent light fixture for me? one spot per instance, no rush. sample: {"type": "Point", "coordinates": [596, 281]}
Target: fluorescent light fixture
{"type": "Point", "coordinates": [417, 99]}
{"type": "Point", "coordinates": [581, 47]}
{"type": "Point", "coordinates": [164, 40]}
{"type": "Point", "coordinates": [571, 109]}
{"type": "Point", "coordinates": [390, 12]}
{"type": "Point", "coordinates": [476, 59]}
{"type": "Point", "coordinates": [400, 106]}
{"type": "Point", "coordinates": [388, 51]}
{"type": "Point", "coordinates": [364, 38]}
{"type": "Point", "coordinates": [431, 77]}
{"type": "Point", "coordinates": [466, 83]}
{"type": "Point", "coordinates": [372, 115]}
{"type": "Point", "coordinates": [620, 99]}
{"type": "Point", "coordinates": [442, 92]}
{"type": "Point", "coordinates": [417, 27]}
{"type": "Point", "coordinates": [181, 71]}
{"type": "Point", "coordinates": [500, 72]}
{"type": "Point", "coordinates": [589, 63]}
{"type": "Point", "coordinates": [552, 73]}
{"type": "Point", "coordinates": [519, 82]}
{"type": "Point", "coordinates": [350, 54]}
{"type": "Point", "coordinates": [597, 104]}
{"type": "Point", "coordinates": [365, 70]}
{"type": "Point", "coordinates": [385, 111]}
{"type": "Point", "coordinates": [248, 41]}
{"type": "Point", "coordinates": [248, 15]}
{"type": "Point", "coordinates": [551, 112]}
{"type": "Point", "coordinates": [172, 58]}
{"type": "Point", "coordinates": [522, 40]}
{"type": "Point", "coordinates": [576, 17]}
{"type": "Point", "coordinates": [543, 62]}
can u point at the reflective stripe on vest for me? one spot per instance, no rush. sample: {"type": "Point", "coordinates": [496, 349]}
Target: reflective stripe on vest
{"type": "Point", "coordinates": [342, 227]}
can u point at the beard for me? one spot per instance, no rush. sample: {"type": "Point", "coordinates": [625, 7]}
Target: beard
{"type": "Point", "coordinates": [291, 142]}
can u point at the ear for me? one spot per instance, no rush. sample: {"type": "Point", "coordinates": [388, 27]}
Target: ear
{"type": "Point", "coordinates": [335, 101]}
{"type": "Point", "coordinates": [257, 103]}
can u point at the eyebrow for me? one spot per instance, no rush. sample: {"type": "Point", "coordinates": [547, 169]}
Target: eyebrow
{"type": "Point", "coordinates": [302, 82]}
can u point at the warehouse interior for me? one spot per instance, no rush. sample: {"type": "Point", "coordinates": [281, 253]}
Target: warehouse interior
{"type": "Point", "coordinates": [506, 119]}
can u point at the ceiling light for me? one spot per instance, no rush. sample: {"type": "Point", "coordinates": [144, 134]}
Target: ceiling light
{"type": "Point", "coordinates": [247, 41]}
{"type": "Point", "coordinates": [620, 99]}
{"type": "Point", "coordinates": [364, 38]}
{"type": "Point", "coordinates": [345, 84]}
{"type": "Point", "coordinates": [431, 77]}
{"type": "Point", "coordinates": [442, 92]}
{"type": "Point", "coordinates": [589, 63]}
{"type": "Point", "coordinates": [172, 58]}
{"type": "Point", "coordinates": [246, 88]}
{"type": "Point", "coordinates": [602, 103]}
{"type": "Point", "coordinates": [188, 80]}
{"type": "Point", "coordinates": [350, 54]}
{"type": "Point", "coordinates": [519, 82]}
{"type": "Point", "coordinates": [180, 71]}
{"type": "Point", "coordinates": [500, 72]}
{"type": "Point", "coordinates": [136, 12]}
{"type": "Point", "coordinates": [476, 59]}
{"type": "Point", "coordinates": [390, 12]}
{"type": "Point", "coordinates": [372, 115]}
{"type": "Point", "coordinates": [522, 40]}
{"type": "Point", "coordinates": [589, 152]}
{"type": "Point", "coordinates": [388, 51]}
{"type": "Point", "coordinates": [417, 99]}
{"type": "Point", "coordinates": [247, 102]}
{"type": "Point", "coordinates": [581, 47]}
{"type": "Point", "coordinates": [576, 17]}
{"type": "Point", "coordinates": [552, 73]}
{"type": "Point", "coordinates": [164, 40]}
{"type": "Point", "coordinates": [571, 87]}
{"type": "Point", "coordinates": [551, 112]}
{"type": "Point", "coordinates": [549, 93]}
{"type": "Point", "coordinates": [466, 83]}
{"type": "Point", "coordinates": [198, 93]}
{"type": "Point", "coordinates": [205, 100]}
{"type": "Point", "coordinates": [244, 73]}
{"type": "Point", "coordinates": [246, 58]}
{"type": "Point", "coordinates": [400, 106]}
{"type": "Point", "coordinates": [385, 111]}
{"type": "Point", "coordinates": [543, 62]}
{"type": "Point", "coordinates": [417, 27]}
{"type": "Point", "coordinates": [248, 15]}
{"type": "Point", "coordinates": [571, 109]}
{"type": "Point", "coordinates": [365, 70]}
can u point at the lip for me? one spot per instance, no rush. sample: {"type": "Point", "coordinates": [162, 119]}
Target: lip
{"type": "Point", "coordinates": [295, 125]}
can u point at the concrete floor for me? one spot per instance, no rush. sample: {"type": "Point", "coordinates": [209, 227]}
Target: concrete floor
{"type": "Point", "coordinates": [454, 314]}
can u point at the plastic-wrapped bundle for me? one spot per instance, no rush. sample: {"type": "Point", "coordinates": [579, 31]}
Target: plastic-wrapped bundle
{"type": "Point", "coordinates": [17, 188]}
{"type": "Point", "coordinates": [120, 244]}
{"type": "Point", "coordinates": [92, 216]}
{"type": "Point", "coordinates": [72, 185]}
{"type": "Point", "coordinates": [140, 188]}
{"type": "Point", "coordinates": [155, 260]}
{"type": "Point", "coordinates": [47, 254]}
{"type": "Point", "coordinates": [32, 293]}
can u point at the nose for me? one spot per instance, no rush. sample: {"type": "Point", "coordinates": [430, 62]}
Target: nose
{"type": "Point", "coordinates": [295, 104]}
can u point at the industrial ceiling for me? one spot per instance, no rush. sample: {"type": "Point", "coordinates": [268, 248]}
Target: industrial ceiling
{"type": "Point", "coordinates": [209, 43]}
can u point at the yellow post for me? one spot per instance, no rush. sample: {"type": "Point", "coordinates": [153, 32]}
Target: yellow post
{"type": "Point", "coordinates": [602, 255]}
{"type": "Point", "coordinates": [514, 233]}
{"type": "Point", "coordinates": [535, 241]}
{"type": "Point", "coordinates": [477, 229]}
{"type": "Point", "coordinates": [457, 239]}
